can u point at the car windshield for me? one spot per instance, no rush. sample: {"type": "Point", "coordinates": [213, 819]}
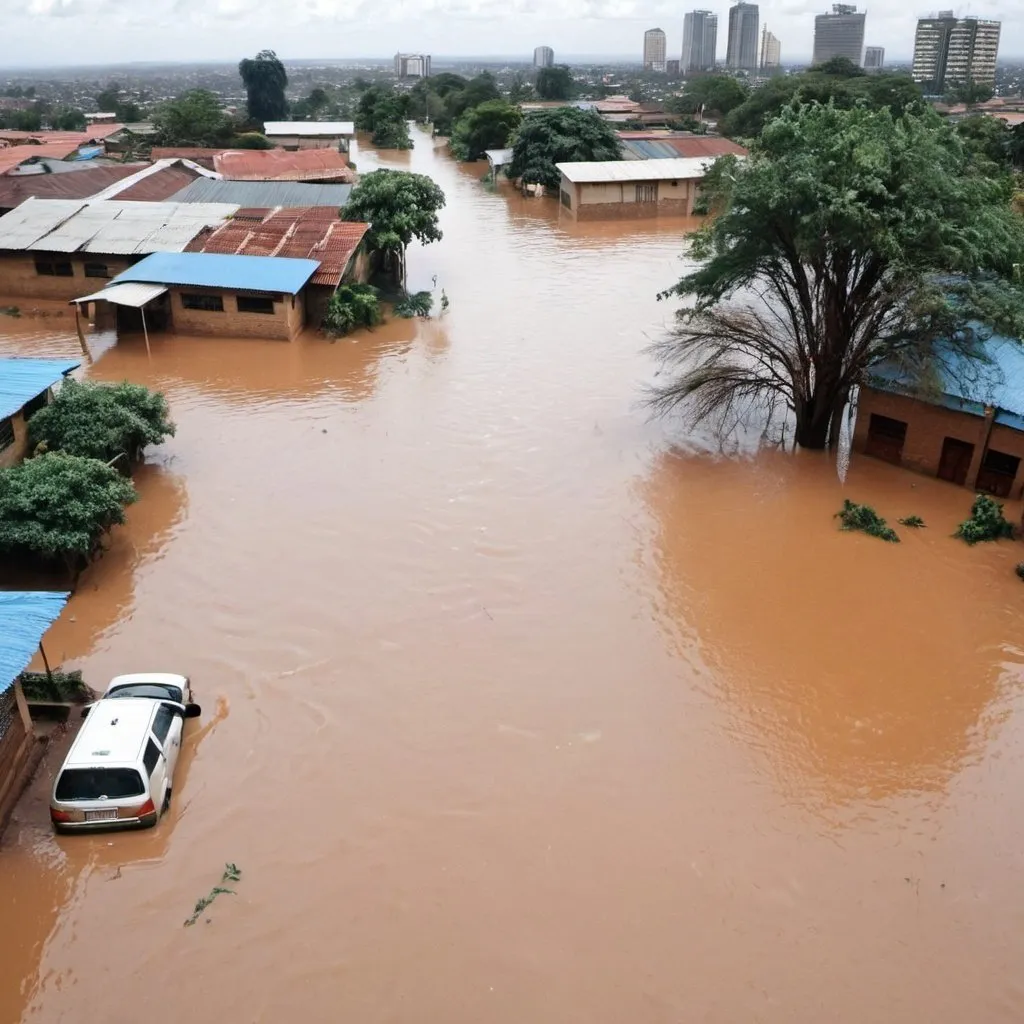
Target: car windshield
{"type": "Point", "coordinates": [97, 783]}
{"type": "Point", "coordinates": [158, 691]}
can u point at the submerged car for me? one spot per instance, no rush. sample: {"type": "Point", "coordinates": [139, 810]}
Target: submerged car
{"type": "Point", "coordinates": [119, 772]}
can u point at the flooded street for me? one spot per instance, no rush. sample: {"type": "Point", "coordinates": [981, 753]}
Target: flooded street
{"type": "Point", "coordinates": [515, 709]}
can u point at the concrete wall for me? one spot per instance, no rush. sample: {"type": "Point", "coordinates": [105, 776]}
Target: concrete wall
{"type": "Point", "coordinates": [617, 200]}
{"type": "Point", "coordinates": [14, 453]}
{"type": "Point", "coordinates": [20, 279]}
{"type": "Point", "coordinates": [287, 321]}
{"type": "Point", "coordinates": [927, 428]}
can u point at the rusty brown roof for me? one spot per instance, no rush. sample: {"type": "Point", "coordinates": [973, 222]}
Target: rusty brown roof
{"type": "Point", "coordinates": [281, 165]}
{"type": "Point", "coordinates": [14, 190]}
{"type": "Point", "coordinates": [159, 186]}
{"type": "Point", "coordinates": [203, 157]}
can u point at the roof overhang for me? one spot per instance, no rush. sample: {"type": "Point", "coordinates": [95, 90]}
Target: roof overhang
{"type": "Point", "coordinates": [131, 293]}
{"type": "Point", "coordinates": [24, 617]}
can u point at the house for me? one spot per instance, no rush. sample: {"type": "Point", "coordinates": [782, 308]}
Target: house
{"type": "Point", "coordinates": [967, 427]}
{"type": "Point", "coordinates": [25, 387]}
{"type": "Point", "coordinates": [312, 165]}
{"type": "Point", "coordinates": [25, 616]}
{"type": "Point", "coordinates": [49, 247]}
{"type": "Point", "coordinates": [294, 135]}
{"type": "Point", "coordinates": [201, 293]}
{"type": "Point", "coordinates": [649, 145]}
{"type": "Point", "coordinates": [611, 189]}
{"type": "Point", "coordinates": [496, 159]}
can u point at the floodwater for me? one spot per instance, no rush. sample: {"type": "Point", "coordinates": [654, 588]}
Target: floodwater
{"type": "Point", "coordinates": [518, 708]}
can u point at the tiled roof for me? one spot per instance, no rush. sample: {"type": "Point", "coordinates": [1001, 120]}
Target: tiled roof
{"type": "Point", "coordinates": [281, 165]}
{"type": "Point", "coordinates": [312, 233]}
{"type": "Point", "coordinates": [14, 190]}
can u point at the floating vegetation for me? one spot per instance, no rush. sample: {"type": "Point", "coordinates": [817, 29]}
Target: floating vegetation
{"type": "Point", "coordinates": [232, 873]}
{"type": "Point", "coordinates": [916, 522]}
{"type": "Point", "coordinates": [986, 522]}
{"type": "Point", "coordinates": [863, 517]}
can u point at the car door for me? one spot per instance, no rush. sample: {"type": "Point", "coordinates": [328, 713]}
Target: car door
{"type": "Point", "coordinates": [167, 727]}
{"type": "Point", "coordinates": [156, 767]}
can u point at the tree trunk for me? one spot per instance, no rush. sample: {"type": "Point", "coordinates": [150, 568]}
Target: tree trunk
{"type": "Point", "coordinates": [819, 416]}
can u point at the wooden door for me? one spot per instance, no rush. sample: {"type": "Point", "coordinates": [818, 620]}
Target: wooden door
{"type": "Point", "coordinates": [955, 460]}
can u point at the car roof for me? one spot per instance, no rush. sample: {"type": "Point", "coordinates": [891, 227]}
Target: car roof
{"type": "Point", "coordinates": [159, 678]}
{"type": "Point", "coordinates": [114, 732]}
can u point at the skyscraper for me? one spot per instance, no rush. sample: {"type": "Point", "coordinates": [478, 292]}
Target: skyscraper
{"type": "Point", "coordinates": [839, 34]}
{"type": "Point", "coordinates": [874, 58]}
{"type": "Point", "coordinates": [543, 57]}
{"type": "Point", "coordinates": [412, 65]}
{"type": "Point", "coordinates": [700, 41]}
{"type": "Point", "coordinates": [654, 50]}
{"type": "Point", "coordinates": [771, 51]}
{"type": "Point", "coordinates": [741, 51]}
{"type": "Point", "coordinates": [950, 50]}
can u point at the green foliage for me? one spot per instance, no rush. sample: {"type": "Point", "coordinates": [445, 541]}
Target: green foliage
{"type": "Point", "coordinates": [232, 873]}
{"type": "Point", "coordinates": [562, 134]}
{"type": "Point", "coordinates": [418, 304]}
{"type": "Point", "coordinates": [444, 98]}
{"type": "Point", "coordinates": [392, 135]}
{"type": "Point", "coordinates": [554, 83]}
{"type": "Point", "coordinates": [109, 101]}
{"type": "Point", "coordinates": [193, 119]}
{"type": "Point", "coordinates": [914, 522]}
{"type": "Point", "coordinates": [840, 67]}
{"type": "Point", "coordinates": [310, 107]}
{"type": "Point", "coordinates": [65, 686]}
{"type": "Point", "coordinates": [968, 93]}
{"type": "Point", "coordinates": [488, 126]}
{"type": "Point", "coordinates": [986, 522]}
{"type": "Point", "coordinates": [717, 94]}
{"type": "Point", "coordinates": [58, 505]}
{"type": "Point", "coordinates": [520, 90]}
{"type": "Point", "coordinates": [265, 81]}
{"type": "Point", "coordinates": [1019, 570]}
{"type": "Point", "coordinates": [399, 206]}
{"type": "Point", "coordinates": [101, 421]}
{"type": "Point", "coordinates": [863, 517]}
{"type": "Point", "coordinates": [251, 140]}
{"type": "Point", "coordinates": [21, 120]}
{"type": "Point", "coordinates": [69, 120]}
{"type": "Point", "coordinates": [352, 306]}
{"type": "Point", "coordinates": [864, 237]}
{"type": "Point", "coordinates": [377, 106]}
{"type": "Point", "coordinates": [987, 137]}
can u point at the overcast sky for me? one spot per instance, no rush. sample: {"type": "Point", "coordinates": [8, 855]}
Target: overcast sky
{"type": "Point", "coordinates": [49, 32]}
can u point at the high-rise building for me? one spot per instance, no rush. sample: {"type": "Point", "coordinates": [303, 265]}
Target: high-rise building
{"type": "Point", "coordinates": [839, 34]}
{"type": "Point", "coordinates": [672, 67]}
{"type": "Point", "coordinates": [654, 50]}
{"type": "Point", "coordinates": [543, 57]}
{"type": "Point", "coordinates": [412, 65]}
{"type": "Point", "coordinates": [741, 51]}
{"type": "Point", "coordinates": [950, 50]}
{"type": "Point", "coordinates": [874, 58]}
{"type": "Point", "coordinates": [700, 41]}
{"type": "Point", "coordinates": [771, 51]}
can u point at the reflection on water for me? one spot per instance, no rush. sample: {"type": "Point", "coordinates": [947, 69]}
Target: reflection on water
{"type": "Point", "coordinates": [516, 716]}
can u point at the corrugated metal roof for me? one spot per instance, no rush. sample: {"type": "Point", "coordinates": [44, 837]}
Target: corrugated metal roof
{"type": "Point", "coordinates": [314, 129]}
{"type": "Point", "coordinates": [594, 172]}
{"type": "Point", "coordinates": [282, 165]}
{"type": "Point", "coordinates": [15, 189]}
{"type": "Point", "coordinates": [13, 156]}
{"type": "Point", "coordinates": [25, 616]}
{"type": "Point", "coordinates": [264, 194]}
{"type": "Point", "coordinates": [653, 148]}
{"type": "Point", "coordinates": [34, 219]}
{"type": "Point", "coordinates": [21, 380]}
{"type": "Point", "coordinates": [235, 273]}
{"type": "Point", "coordinates": [126, 294]}
{"type": "Point", "coordinates": [499, 157]}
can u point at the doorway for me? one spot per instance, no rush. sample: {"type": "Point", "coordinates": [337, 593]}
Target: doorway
{"type": "Point", "coordinates": [997, 473]}
{"type": "Point", "coordinates": [885, 438]}
{"type": "Point", "coordinates": [955, 460]}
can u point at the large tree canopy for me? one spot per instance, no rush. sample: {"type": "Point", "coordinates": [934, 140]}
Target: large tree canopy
{"type": "Point", "coordinates": [715, 94]}
{"type": "Point", "coordinates": [560, 135]}
{"type": "Point", "coordinates": [488, 126]}
{"type": "Point", "coordinates": [265, 81]}
{"type": "Point", "coordinates": [554, 83]}
{"type": "Point", "coordinates": [849, 237]}
{"type": "Point", "coordinates": [194, 119]}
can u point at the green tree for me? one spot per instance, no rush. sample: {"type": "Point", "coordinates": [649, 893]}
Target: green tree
{"type": "Point", "coordinates": [251, 140]}
{"type": "Point", "coordinates": [488, 126]}
{"type": "Point", "coordinates": [520, 90]}
{"type": "Point", "coordinates": [21, 120]}
{"type": "Point", "coordinates": [716, 94]}
{"type": "Point", "coordinates": [969, 93]}
{"type": "Point", "coordinates": [987, 137]}
{"type": "Point", "coordinates": [393, 134]}
{"type": "Point", "coordinates": [58, 506]}
{"type": "Point", "coordinates": [399, 206]}
{"type": "Point", "coordinates": [352, 306]}
{"type": "Point", "coordinates": [839, 67]}
{"type": "Point", "coordinates": [265, 81]}
{"type": "Point", "coordinates": [554, 83]}
{"type": "Point", "coordinates": [377, 106]}
{"type": "Point", "coordinates": [69, 120]}
{"type": "Point", "coordinates": [562, 134]}
{"type": "Point", "coordinates": [849, 237]}
{"type": "Point", "coordinates": [309, 107]}
{"type": "Point", "coordinates": [194, 119]}
{"type": "Point", "coordinates": [109, 99]}
{"type": "Point", "coordinates": [100, 421]}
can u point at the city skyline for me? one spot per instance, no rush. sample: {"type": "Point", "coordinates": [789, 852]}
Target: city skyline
{"type": "Point", "coordinates": [47, 33]}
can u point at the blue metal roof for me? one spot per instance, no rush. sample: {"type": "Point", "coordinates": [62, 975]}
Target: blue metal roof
{"type": "Point", "coordinates": [217, 270]}
{"type": "Point", "coordinates": [21, 380]}
{"type": "Point", "coordinates": [25, 615]}
{"type": "Point", "coordinates": [995, 378]}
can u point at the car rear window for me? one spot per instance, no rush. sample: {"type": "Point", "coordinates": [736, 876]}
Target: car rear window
{"type": "Point", "coordinates": [95, 783]}
{"type": "Point", "coordinates": [158, 691]}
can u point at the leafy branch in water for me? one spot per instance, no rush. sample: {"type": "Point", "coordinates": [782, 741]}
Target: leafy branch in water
{"type": "Point", "coordinates": [1019, 570]}
{"type": "Point", "coordinates": [863, 517]}
{"type": "Point", "coordinates": [419, 304]}
{"type": "Point", "coordinates": [232, 873]}
{"type": "Point", "coordinates": [986, 522]}
{"type": "Point", "coordinates": [914, 521]}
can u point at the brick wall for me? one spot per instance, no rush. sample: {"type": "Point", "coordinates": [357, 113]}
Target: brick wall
{"type": "Point", "coordinates": [286, 322]}
{"type": "Point", "coordinates": [14, 453]}
{"type": "Point", "coordinates": [16, 747]}
{"type": "Point", "coordinates": [20, 279]}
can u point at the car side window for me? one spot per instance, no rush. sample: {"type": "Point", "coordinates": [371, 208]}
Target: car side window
{"type": "Point", "coordinates": [162, 723]}
{"type": "Point", "coordinates": [151, 757]}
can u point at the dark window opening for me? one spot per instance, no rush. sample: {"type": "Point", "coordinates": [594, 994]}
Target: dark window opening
{"type": "Point", "coordinates": [566, 198]}
{"type": "Point", "coordinates": [255, 304]}
{"type": "Point", "coordinates": [55, 268]}
{"type": "Point", "coordinates": [96, 270]}
{"type": "Point", "coordinates": [156, 691]}
{"type": "Point", "coordinates": [997, 473]}
{"type": "Point", "coordinates": [647, 193]}
{"type": "Point", "coordinates": [6, 433]}
{"type": "Point", "coordinates": [96, 783]}
{"type": "Point", "coordinates": [885, 438]}
{"type": "Point", "coordinates": [162, 723]}
{"type": "Point", "coordinates": [34, 405]}
{"type": "Point", "coordinates": [151, 757]}
{"type": "Point", "coordinates": [209, 303]}
{"type": "Point", "coordinates": [955, 460]}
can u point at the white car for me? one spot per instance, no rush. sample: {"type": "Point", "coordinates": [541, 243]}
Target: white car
{"type": "Point", "coordinates": [119, 772]}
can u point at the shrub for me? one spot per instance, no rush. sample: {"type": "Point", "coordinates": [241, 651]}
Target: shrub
{"type": "Point", "coordinates": [392, 134]}
{"type": "Point", "coordinates": [986, 522]}
{"type": "Point", "coordinates": [251, 140]}
{"type": "Point", "coordinates": [915, 522]}
{"type": "Point", "coordinates": [100, 421]}
{"type": "Point", "coordinates": [418, 304]}
{"type": "Point", "coordinates": [1019, 570]}
{"type": "Point", "coordinates": [352, 306]}
{"type": "Point", "coordinates": [863, 517]}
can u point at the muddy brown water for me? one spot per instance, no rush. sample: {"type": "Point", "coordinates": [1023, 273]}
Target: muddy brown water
{"type": "Point", "coordinates": [516, 708]}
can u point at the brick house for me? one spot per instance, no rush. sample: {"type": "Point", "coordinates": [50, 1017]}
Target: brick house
{"type": "Point", "coordinates": [969, 429]}
{"type": "Point", "coordinates": [25, 387]}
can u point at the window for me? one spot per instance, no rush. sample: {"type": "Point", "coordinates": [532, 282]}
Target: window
{"type": "Point", "coordinates": [162, 723]}
{"type": "Point", "coordinates": [6, 433]}
{"type": "Point", "coordinates": [151, 757]}
{"type": "Point", "coordinates": [255, 304]}
{"type": "Point", "coordinates": [885, 438]}
{"type": "Point", "coordinates": [566, 198]}
{"type": "Point", "coordinates": [55, 268]}
{"type": "Point", "coordinates": [997, 473]}
{"type": "Point", "coordinates": [37, 403]}
{"type": "Point", "coordinates": [209, 303]}
{"type": "Point", "coordinates": [155, 691]}
{"type": "Point", "coordinates": [96, 270]}
{"type": "Point", "coordinates": [647, 193]}
{"type": "Point", "coordinates": [96, 783]}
